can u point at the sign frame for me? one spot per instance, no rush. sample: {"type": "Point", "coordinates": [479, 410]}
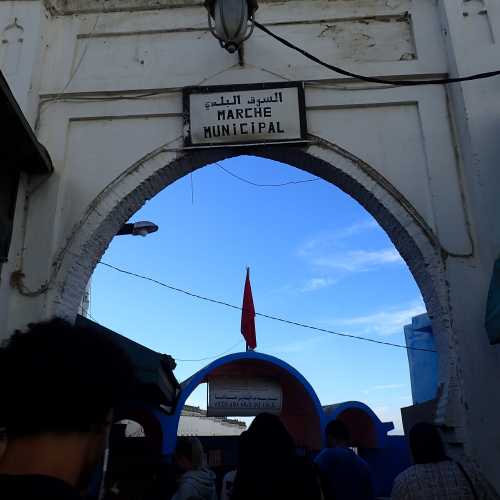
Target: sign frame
{"type": "Point", "coordinates": [240, 388]}
{"type": "Point", "coordinates": [212, 89]}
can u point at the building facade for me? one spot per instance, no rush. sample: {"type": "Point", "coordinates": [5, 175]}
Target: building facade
{"type": "Point", "coordinates": [101, 83]}
{"type": "Point", "coordinates": [194, 422]}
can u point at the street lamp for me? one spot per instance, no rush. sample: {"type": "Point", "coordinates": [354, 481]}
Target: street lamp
{"type": "Point", "coordinates": [231, 21]}
{"type": "Point", "coordinates": [141, 228]}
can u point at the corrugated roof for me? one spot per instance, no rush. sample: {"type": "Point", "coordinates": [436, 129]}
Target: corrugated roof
{"type": "Point", "coordinates": [19, 146]}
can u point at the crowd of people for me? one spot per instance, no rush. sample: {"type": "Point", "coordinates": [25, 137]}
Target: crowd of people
{"type": "Point", "coordinates": [60, 383]}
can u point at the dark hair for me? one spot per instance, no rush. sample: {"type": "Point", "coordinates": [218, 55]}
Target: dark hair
{"type": "Point", "coordinates": [57, 377]}
{"type": "Point", "coordinates": [190, 447]}
{"type": "Point", "coordinates": [268, 430]}
{"type": "Point", "coordinates": [266, 461]}
{"type": "Point", "coordinates": [426, 444]}
{"type": "Point", "coordinates": [336, 429]}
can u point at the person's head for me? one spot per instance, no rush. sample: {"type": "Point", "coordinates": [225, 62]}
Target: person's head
{"type": "Point", "coordinates": [189, 453]}
{"type": "Point", "coordinates": [337, 434]}
{"type": "Point", "coordinates": [426, 444]}
{"type": "Point", "coordinates": [267, 453]}
{"type": "Point", "coordinates": [267, 431]}
{"type": "Point", "coordinates": [58, 385]}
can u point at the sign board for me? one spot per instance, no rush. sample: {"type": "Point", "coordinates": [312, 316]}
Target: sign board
{"type": "Point", "coordinates": [238, 396]}
{"type": "Point", "coordinates": [244, 114]}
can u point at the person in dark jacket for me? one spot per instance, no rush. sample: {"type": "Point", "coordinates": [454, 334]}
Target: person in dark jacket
{"type": "Point", "coordinates": [344, 475]}
{"type": "Point", "coordinates": [58, 386]}
{"type": "Point", "coordinates": [269, 468]}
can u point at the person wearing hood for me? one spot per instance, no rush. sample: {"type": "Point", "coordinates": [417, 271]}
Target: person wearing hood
{"type": "Point", "coordinates": [197, 481]}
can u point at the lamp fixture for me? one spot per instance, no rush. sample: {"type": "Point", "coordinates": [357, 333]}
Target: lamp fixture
{"type": "Point", "coordinates": [231, 21]}
{"type": "Point", "coordinates": [141, 228]}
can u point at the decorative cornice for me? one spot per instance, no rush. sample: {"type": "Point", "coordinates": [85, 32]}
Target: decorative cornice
{"type": "Point", "coordinates": [70, 7]}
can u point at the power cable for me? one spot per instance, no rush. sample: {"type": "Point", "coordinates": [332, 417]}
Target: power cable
{"type": "Point", "coordinates": [82, 57]}
{"type": "Point", "coordinates": [188, 360]}
{"type": "Point", "coordinates": [387, 81]}
{"type": "Point", "coordinates": [247, 181]}
{"type": "Point", "coordinates": [268, 316]}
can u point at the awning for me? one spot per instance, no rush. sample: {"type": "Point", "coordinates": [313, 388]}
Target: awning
{"type": "Point", "coordinates": [157, 384]}
{"type": "Point", "coordinates": [19, 146]}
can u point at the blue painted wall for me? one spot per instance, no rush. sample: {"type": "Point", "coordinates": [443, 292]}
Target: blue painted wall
{"type": "Point", "coordinates": [386, 463]}
{"type": "Point", "coordinates": [423, 365]}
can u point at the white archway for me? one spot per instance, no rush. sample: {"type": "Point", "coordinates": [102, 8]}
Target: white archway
{"type": "Point", "coordinates": [413, 238]}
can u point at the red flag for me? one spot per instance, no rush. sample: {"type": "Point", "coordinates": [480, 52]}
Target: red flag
{"type": "Point", "coordinates": [248, 316]}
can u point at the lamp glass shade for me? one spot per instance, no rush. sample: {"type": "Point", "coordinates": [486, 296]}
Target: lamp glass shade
{"type": "Point", "coordinates": [231, 21]}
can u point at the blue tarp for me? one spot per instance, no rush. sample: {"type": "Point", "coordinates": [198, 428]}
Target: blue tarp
{"type": "Point", "coordinates": [492, 320]}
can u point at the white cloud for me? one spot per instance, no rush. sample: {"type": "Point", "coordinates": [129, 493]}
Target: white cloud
{"type": "Point", "coordinates": [329, 239]}
{"type": "Point", "coordinates": [359, 227]}
{"type": "Point", "coordinates": [317, 284]}
{"type": "Point", "coordinates": [385, 387]}
{"type": "Point", "coordinates": [359, 260]}
{"type": "Point", "coordinates": [387, 322]}
{"type": "Point", "coordinates": [297, 346]}
{"type": "Point", "coordinates": [331, 253]}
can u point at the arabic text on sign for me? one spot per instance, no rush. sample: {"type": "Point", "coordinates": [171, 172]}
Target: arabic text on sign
{"type": "Point", "coordinates": [258, 101]}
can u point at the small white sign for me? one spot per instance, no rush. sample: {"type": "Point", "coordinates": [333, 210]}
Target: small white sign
{"type": "Point", "coordinates": [244, 114]}
{"type": "Point", "coordinates": [229, 396]}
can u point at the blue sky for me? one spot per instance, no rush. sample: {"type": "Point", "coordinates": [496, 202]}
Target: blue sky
{"type": "Point", "coordinates": [316, 256]}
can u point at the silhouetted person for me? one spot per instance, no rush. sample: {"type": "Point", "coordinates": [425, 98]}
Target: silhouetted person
{"type": "Point", "coordinates": [229, 477]}
{"type": "Point", "coordinates": [344, 475]}
{"type": "Point", "coordinates": [58, 386]}
{"type": "Point", "coordinates": [434, 475]}
{"type": "Point", "coordinates": [269, 468]}
{"type": "Point", "coordinates": [197, 482]}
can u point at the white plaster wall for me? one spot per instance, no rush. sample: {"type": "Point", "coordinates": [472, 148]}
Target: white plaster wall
{"type": "Point", "coordinates": [22, 25]}
{"type": "Point", "coordinates": [22, 28]}
{"type": "Point", "coordinates": [472, 43]}
{"type": "Point", "coordinates": [101, 55]}
{"type": "Point", "coordinates": [90, 64]}
{"type": "Point", "coordinates": [206, 426]}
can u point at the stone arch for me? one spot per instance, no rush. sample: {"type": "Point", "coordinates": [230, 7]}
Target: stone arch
{"type": "Point", "coordinates": [413, 238]}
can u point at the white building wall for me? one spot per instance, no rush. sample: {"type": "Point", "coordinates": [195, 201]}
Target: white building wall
{"type": "Point", "coordinates": [206, 426]}
{"type": "Point", "coordinates": [84, 74]}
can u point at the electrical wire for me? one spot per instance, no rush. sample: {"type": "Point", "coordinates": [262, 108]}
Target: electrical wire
{"type": "Point", "coordinates": [92, 317]}
{"type": "Point", "coordinates": [344, 88]}
{"type": "Point", "coordinates": [406, 83]}
{"type": "Point", "coordinates": [268, 316]}
{"type": "Point", "coordinates": [189, 360]}
{"type": "Point", "coordinates": [82, 57]}
{"type": "Point", "coordinates": [247, 181]}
